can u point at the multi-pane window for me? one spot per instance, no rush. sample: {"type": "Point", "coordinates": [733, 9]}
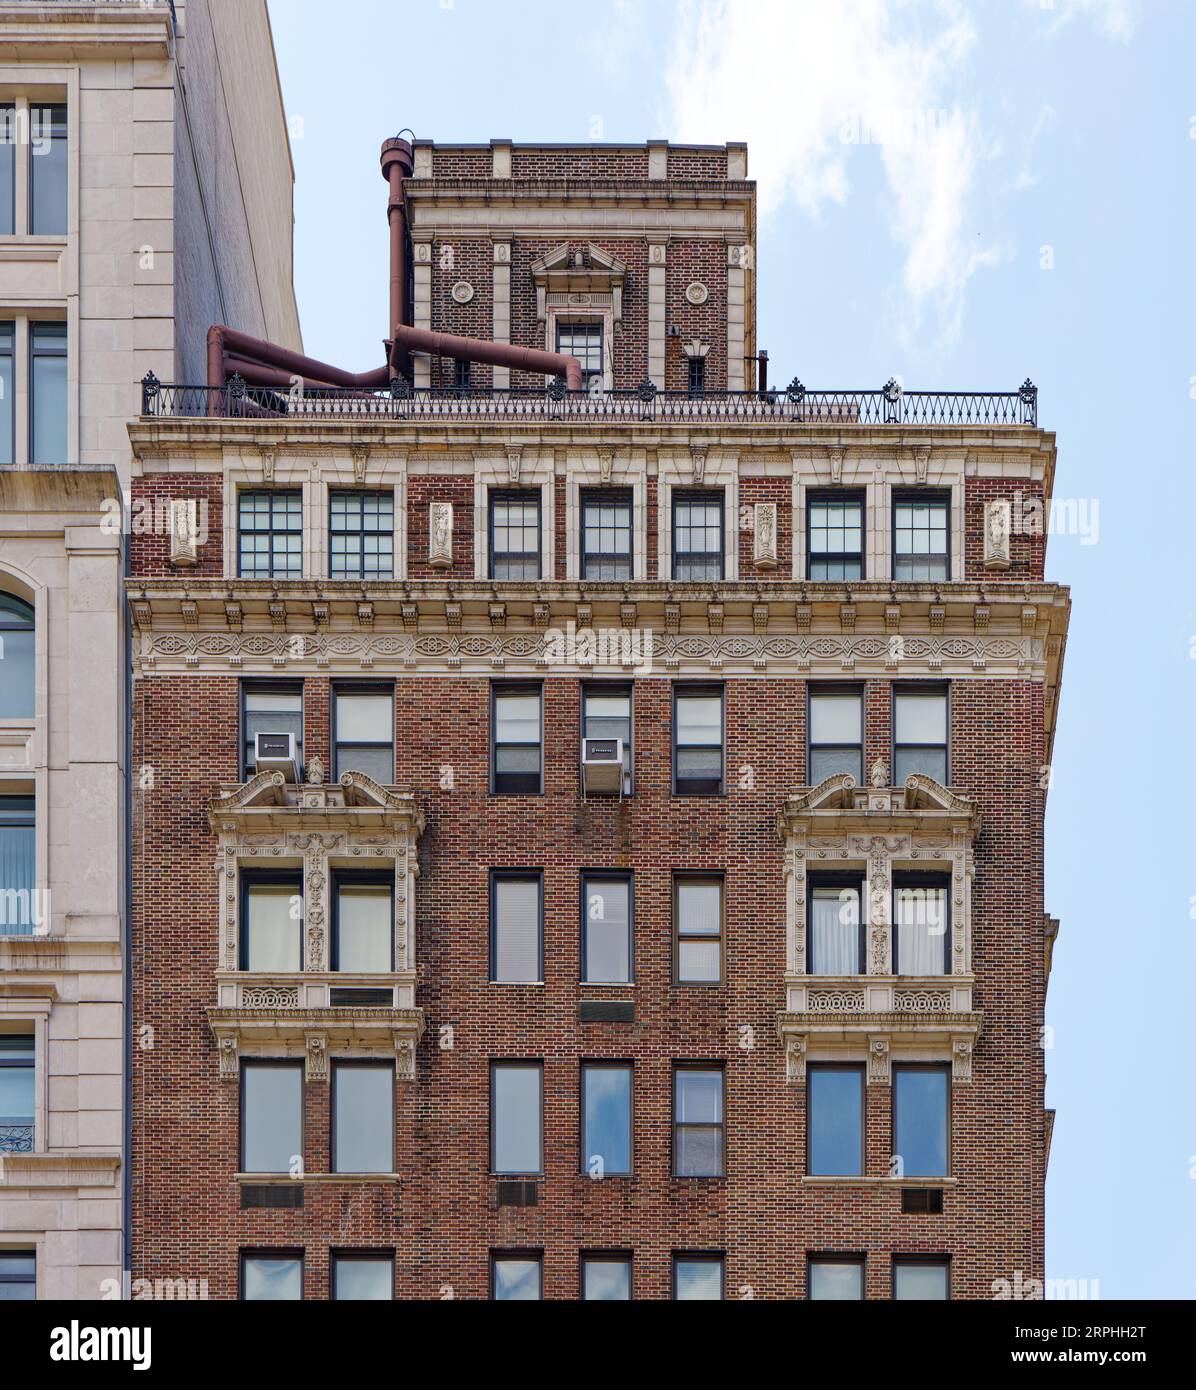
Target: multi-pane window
{"type": "Point", "coordinates": [697, 535]}
{"type": "Point", "coordinates": [18, 1276]}
{"type": "Point", "coordinates": [697, 740]}
{"type": "Point", "coordinates": [921, 924]}
{"type": "Point", "coordinates": [921, 1277]}
{"type": "Point", "coordinates": [8, 350]}
{"type": "Point", "coordinates": [516, 1118]}
{"type": "Point", "coordinates": [461, 374]}
{"type": "Point", "coordinates": [361, 535]}
{"type": "Point", "coordinates": [606, 533]}
{"type": "Point", "coordinates": [698, 1147]}
{"type": "Point", "coordinates": [921, 545]}
{"type": "Point", "coordinates": [698, 920]}
{"type": "Point", "coordinates": [20, 909]}
{"type": "Point", "coordinates": [272, 1117]}
{"type": "Point", "coordinates": [834, 925]}
{"type": "Point", "coordinates": [606, 1119]}
{"type": "Point", "coordinates": [270, 708]}
{"type": "Point", "coordinates": [516, 1276]}
{"type": "Point", "coordinates": [47, 170]}
{"type": "Point", "coordinates": [605, 1278]}
{"type": "Point", "coordinates": [515, 535]}
{"type": "Point", "coordinates": [921, 1120]}
{"type": "Point", "coordinates": [272, 1276]}
{"type": "Point", "coordinates": [697, 376]}
{"type": "Point", "coordinates": [697, 1277]}
{"type": "Point", "coordinates": [516, 928]}
{"type": "Point", "coordinates": [607, 954]}
{"type": "Point", "coordinates": [47, 392]}
{"type": "Point", "coordinates": [363, 1277]}
{"type": "Point", "coordinates": [17, 682]}
{"type": "Point", "coordinates": [836, 733]}
{"type": "Point", "coordinates": [270, 534]}
{"type": "Point", "coordinates": [363, 733]}
{"type": "Point", "coordinates": [606, 713]}
{"type": "Point", "coordinates": [363, 922]}
{"type": "Point", "coordinates": [363, 1117]}
{"type": "Point", "coordinates": [16, 1093]}
{"type": "Point", "coordinates": [920, 732]}
{"type": "Point", "coordinates": [272, 921]}
{"type": "Point", "coordinates": [836, 1277]}
{"type": "Point", "coordinates": [835, 1121]}
{"type": "Point", "coordinates": [583, 341]}
{"type": "Point", "coordinates": [516, 751]}
{"type": "Point", "coordinates": [835, 536]}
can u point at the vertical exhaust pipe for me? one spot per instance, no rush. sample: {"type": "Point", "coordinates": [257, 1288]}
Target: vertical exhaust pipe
{"type": "Point", "coordinates": [397, 164]}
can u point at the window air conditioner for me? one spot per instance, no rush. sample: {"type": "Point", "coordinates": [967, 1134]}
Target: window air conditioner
{"type": "Point", "coordinates": [602, 765]}
{"type": "Point", "coordinates": [276, 753]}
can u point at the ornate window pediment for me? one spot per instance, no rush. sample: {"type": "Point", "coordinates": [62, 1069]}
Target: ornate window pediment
{"type": "Point", "coordinates": [316, 829]}
{"type": "Point", "coordinates": [876, 831]}
{"type": "Point", "coordinates": [590, 278]}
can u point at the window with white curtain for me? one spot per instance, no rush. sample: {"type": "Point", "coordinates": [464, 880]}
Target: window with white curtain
{"type": "Point", "coordinates": [835, 937]}
{"type": "Point", "coordinates": [921, 924]}
{"type": "Point", "coordinates": [272, 923]}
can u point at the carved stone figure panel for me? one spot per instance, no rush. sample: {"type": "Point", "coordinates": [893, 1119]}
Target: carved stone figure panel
{"type": "Point", "coordinates": [765, 548]}
{"type": "Point", "coordinates": [998, 524]}
{"type": "Point", "coordinates": [440, 535]}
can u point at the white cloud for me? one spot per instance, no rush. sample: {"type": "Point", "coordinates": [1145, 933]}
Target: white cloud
{"type": "Point", "coordinates": [1114, 19]}
{"type": "Point", "coordinates": [815, 86]}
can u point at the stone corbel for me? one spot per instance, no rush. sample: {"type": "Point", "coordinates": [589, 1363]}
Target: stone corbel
{"type": "Point", "coordinates": [230, 1061]}
{"type": "Point", "coordinates": [835, 457]}
{"type": "Point", "coordinates": [699, 466]}
{"type": "Point", "coordinates": [405, 1059]}
{"type": "Point", "coordinates": [606, 463]}
{"type": "Point", "coordinates": [961, 1060]}
{"type": "Point", "coordinates": [267, 457]}
{"type": "Point", "coordinates": [514, 464]}
{"type": "Point", "coordinates": [795, 1057]}
{"type": "Point", "coordinates": [360, 454]}
{"type": "Point", "coordinates": [880, 1069]}
{"type": "Point", "coordinates": [316, 1057]}
{"type": "Point", "coordinates": [921, 464]}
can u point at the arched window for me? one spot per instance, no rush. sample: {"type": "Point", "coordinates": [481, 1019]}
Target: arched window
{"type": "Point", "coordinates": [16, 658]}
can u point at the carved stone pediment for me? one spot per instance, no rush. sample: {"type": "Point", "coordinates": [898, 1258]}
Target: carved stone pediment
{"type": "Point", "coordinates": [837, 805]}
{"type": "Point", "coordinates": [269, 801]}
{"type": "Point", "coordinates": [589, 270]}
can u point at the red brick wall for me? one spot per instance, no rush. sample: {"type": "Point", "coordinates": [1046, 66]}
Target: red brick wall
{"type": "Point", "coordinates": [454, 259]}
{"type": "Point", "coordinates": [149, 550]}
{"type": "Point", "coordinates": [704, 261]}
{"type": "Point", "coordinates": [422, 490]}
{"type": "Point", "coordinates": [441, 1217]}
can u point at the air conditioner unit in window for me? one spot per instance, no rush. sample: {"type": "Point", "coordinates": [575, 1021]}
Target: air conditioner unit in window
{"type": "Point", "coordinates": [602, 765]}
{"type": "Point", "coordinates": [276, 753]}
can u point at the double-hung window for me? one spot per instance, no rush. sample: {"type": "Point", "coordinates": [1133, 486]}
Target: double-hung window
{"type": "Point", "coordinates": [47, 393]}
{"type": "Point", "coordinates": [363, 1276]}
{"type": "Point", "coordinates": [836, 737]}
{"type": "Point", "coordinates": [606, 714]}
{"type": "Point", "coordinates": [698, 535]}
{"type": "Point", "coordinates": [698, 928]}
{"type": "Point", "coordinates": [516, 1276]}
{"type": "Point", "coordinates": [921, 924]}
{"type": "Point", "coordinates": [924, 1277]}
{"type": "Point", "coordinates": [605, 1278]}
{"type": "Point", "coordinates": [16, 1093]}
{"type": "Point", "coordinates": [517, 1118]}
{"type": "Point", "coordinates": [19, 906]}
{"type": "Point", "coordinates": [363, 732]}
{"type": "Point", "coordinates": [835, 1277]}
{"type": "Point", "coordinates": [583, 341]}
{"type": "Point", "coordinates": [698, 1123]}
{"type": "Point", "coordinates": [697, 376]}
{"type": "Point", "coordinates": [272, 921]}
{"type": "Point", "coordinates": [361, 535]}
{"type": "Point", "coordinates": [697, 1277]}
{"type": "Point", "coordinates": [516, 755]}
{"type": "Point", "coordinates": [835, 925]}
{"type": "Point", "coordinates": [920, 738]}
{"type": "Point", "coordinates": [272, 1117]}
{"type": "Point", "coordinates": [607, 952]}
{"type": "Point", "coordinates": [516, 927]}
{"type": "Point", "coordinates": [271, 1276]}
{"type": "Point", "coordinates": [921, 536]}
{"type": "Point", "coordinates": [270, 534]}
{"type": "Point", "coordinates": [363, 1117]}
{"type": "Point", "coordinates": [270, 707]}
{"type": "Point", "coordinates": [835, 1120]}
{"type": "Point", "coordinates": [606, 1119]}
{"type": "Point", "coordinates": [515, 534]}
{"type": "Point", "coordinates": [18, 1276]}
{"type": "Point", "coordinates": [606, 533]}
{"type": "Point", "coordinates": [922, 1119]}
{"type": "Point", "coordinates": [697, 740]}
{"type": "Point", "coordinates": [363, 922]}
{"type": "Point", "coordinates": [835, 536]}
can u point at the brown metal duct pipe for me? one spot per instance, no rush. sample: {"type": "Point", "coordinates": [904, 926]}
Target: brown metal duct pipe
{"type": "Point", "coordinates": [397, 165]}
{"type": "Point", "coordinates": [226, 344]}
{"type": "Point", "coordinates": [494, 354]}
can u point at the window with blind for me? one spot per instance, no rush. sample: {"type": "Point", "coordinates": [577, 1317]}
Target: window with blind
{"type": "Point", "coordinates": [697, 1277]}
{"type": "Point", "coordinates": [698, 919]}
{"type": "Point", "coordinates": [19, 907]}
{"type": "Point", "coordinates": [516, 928]}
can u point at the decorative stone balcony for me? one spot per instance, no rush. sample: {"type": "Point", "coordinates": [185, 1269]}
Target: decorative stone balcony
{"type": "Point", "coordinates": [315, 828]}
{"type": "Point", "coordinates": [878, 830]}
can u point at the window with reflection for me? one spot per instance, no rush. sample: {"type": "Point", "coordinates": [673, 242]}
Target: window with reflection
{"type": "Point", "coordinates": [921, 924]}
{"type": "Point", "coordinates": [923, 1278]}
{"type": "Point", "coordinates": [516, 1118]}
{"type": "Point", "coordinates": [606, 929]}
{"type": "Point", "coordinates": [836, 1278]}
{"type": "Point", "coordinates": [835, 925]}
{"type": "Point", "coordinates": [363, 732]}
{"type": "Point", "coordinates": [366, 1277]}
{"type": "Point", "coordinates": [698, 917]}
{"type": "Point", "coordinates": [47, 170]}
{"type": "Point", "coordinates": [606, 1278]}
{"type": "Point", "coordinates": [21, 910]}
{"type": "Point", "coordinates": [697, 740]}
{"type": "Point", "coordinates": [270, 534]}
{"type": "Point", "coordinates": [835, 536]}
{"type": "Point", "coordinates": [606, 1119]}
{"type": "Point", "coordinates": [363, 935]}
{"type": "Point", "coordinates": [697, 1277]}
{"type": "Point", "coordinates": [921, 548]}
{"type": "Point", "coordinates": [606, 533]}
{"type": "Point", "coordinates": [272, 1117]}
{"type": "Point", "coordinates": [18, 1276]}
{"type": "Point", "coordinates": [697, 535]}
{"type": "Point", "coordinates": [272, 921]}
{"type": "Point", "coordinates": [17, 1073]}
{"type": "Point", "coordinates": [17, 682]}
{"type": "Point", "coordinates": [516, 1277]}
{"type": "Point", "coordinates": [8, 348]}
{"type": "Point", "coordinates": [835, 1120]}
{"type": "Point", "coordinates": [698, 1126]}
{"type": "Point", "coordinates": [920, 732]}
{"type": "Point", "coordinates": [272, 1276]}
{"type": "Point", "coordinates": [516, 757]}
{"type": "Point", "coordinates": [515, 534]}
{"type": "Point", "coordinates": [47, 393]}
{"type": "Point", "coordinates": [922, 1120]}
{"type": "Point", "coordinates": [363, 1117]}
{"type": "Point", "coordinates": [836, 736]}
{"type": "Point", "coordinates": [8, 169]}
{"type": "Point", "coordinates": [361, 537]}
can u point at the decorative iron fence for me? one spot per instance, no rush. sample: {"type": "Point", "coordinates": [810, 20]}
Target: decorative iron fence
{"type": "Point", "coordinates": [891, 405]}
{"type": "Point", "coordinates": [16, 1139]}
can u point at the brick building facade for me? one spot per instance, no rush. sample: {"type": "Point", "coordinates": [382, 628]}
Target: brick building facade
{"type": "Point", "coordinates": [762, 1023]}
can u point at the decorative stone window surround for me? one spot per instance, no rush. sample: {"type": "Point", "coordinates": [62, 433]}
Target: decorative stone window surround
{"type": "Point", "coordinates": [28, 1001]}
{"type": "Point", "coordinates": [533, 469]}
{"type": "Point", "coordinates": [719, 470]}
{"type": "Point", "coordinates": [877, 1016]}
{"type": "Point", "coordinates": [626, 471]}
{"type": "Point", "coordinates": [317, 829]}
{"type": "Point", "coordinates": [25, 742]}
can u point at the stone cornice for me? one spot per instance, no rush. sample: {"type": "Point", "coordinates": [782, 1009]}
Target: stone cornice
{"type": "Point", "coordinates": [62, 32]}
{"type": "Point", "coordinates": [77, 1168]}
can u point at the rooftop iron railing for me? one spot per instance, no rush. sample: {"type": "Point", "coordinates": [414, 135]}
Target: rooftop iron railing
{"type": "Point", "coordinates": [890, 405]}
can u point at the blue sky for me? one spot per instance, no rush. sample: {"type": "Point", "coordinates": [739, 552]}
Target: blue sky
{"type": "Point", "coordinates": [1025, 210]}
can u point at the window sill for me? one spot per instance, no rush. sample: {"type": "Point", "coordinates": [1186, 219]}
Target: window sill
{"type": "Point", "coordinates": [840, 1180]}
{"type": "Point", "coordinates": [286, 1180]}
